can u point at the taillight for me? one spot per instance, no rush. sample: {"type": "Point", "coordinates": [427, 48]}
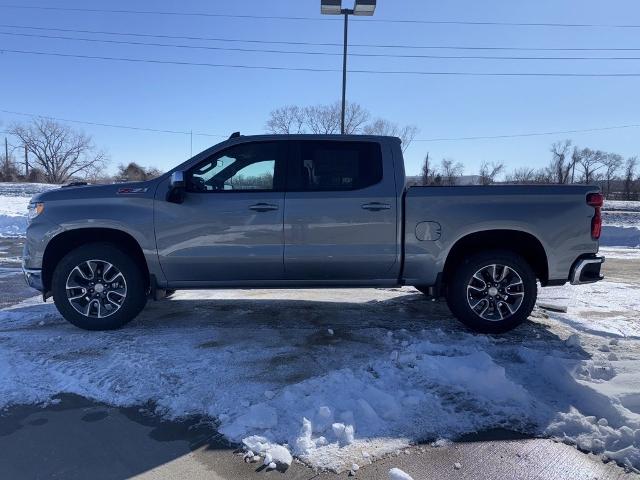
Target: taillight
{"type": "Point", "coordinates": [596, 200]}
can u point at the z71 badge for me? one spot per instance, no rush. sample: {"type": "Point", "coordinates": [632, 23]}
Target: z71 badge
{"type": "Point", "coordinates": [131, 191]}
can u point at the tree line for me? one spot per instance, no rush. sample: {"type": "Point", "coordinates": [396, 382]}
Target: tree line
{"type": "Point", "coordinates": [56, 153]}
{"type": "Point", "coordinates": [618, 177]}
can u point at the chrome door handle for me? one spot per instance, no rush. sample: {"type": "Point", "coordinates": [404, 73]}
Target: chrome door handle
{"type": "Point", "coordinates": [263, 207]}
{"type": "Point", "coordinates": [376, 206]}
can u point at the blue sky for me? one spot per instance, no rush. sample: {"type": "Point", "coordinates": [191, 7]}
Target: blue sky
{"type": "Point", "coordinates": [221, 100]}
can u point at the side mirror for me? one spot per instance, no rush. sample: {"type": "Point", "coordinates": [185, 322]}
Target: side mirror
{"type": "Point", "coordinates": [176, 187]}
{"type": "Point", "coordinates": [177, 180]}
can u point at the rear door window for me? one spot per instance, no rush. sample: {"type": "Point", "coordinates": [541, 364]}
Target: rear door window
{"type": "Point", "coordinates": [335, 166]}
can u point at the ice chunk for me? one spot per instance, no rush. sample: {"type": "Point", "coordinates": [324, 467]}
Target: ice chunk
{"type": "Point", "coordinates": [344, 433]}
{"type": "Point", "coordinates": [573, 341]}
{"type": "Point", "coordinates": [304, 444]}
{"type": "Point", "coordinates": [281, 455]}
{"type": "Point", "coordinates": [397, 474]}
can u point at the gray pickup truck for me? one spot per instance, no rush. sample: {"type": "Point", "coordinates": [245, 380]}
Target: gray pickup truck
{"type": "Point", "coordinates": [308, 211]}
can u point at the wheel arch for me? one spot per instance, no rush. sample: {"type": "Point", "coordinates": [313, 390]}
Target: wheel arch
{"type": "Point", "coordinates": [69, 240]}
{"type": "Point", "coordinates": [523, 243]}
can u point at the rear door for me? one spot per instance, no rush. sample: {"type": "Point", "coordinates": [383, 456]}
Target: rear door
{"type": "Point", "coordinates": [230, 225]}
{"type": "Point", "coordinates": [341, 212]}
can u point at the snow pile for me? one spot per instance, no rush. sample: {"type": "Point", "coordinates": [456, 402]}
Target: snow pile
{"type": "Point", "coordinates": [275, 454]}
{"type": "Point", "coordinates": [13, 216]}
{"type": "Point", "coordinates": [620, 236]}
{"type": "Point", "coordinates": [386, 378]}
{"type": "Point", "coordinates": [621, 224]}
{"type": "Point", "coordinates": [14, 199]}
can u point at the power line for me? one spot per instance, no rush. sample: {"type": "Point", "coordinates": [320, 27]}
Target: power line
{"type": "Point", "coordinates": [110, 125]}
{"type": "Point", "coordinates": [316, 44]}
{"type": "Point", "coordinates": [294, 52]}
{"type": "Point", "coordinates": [531, 134]}
{"type": "Point", "coordinates": [315, 69]}
{"type": "Point", "coordinates": [319, 18]}
{"type": "Point", "coordinates": [442, 139]}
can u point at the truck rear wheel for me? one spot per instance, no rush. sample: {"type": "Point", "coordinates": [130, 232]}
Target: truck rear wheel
{"type": "Point", "coordinates": [98, 287]}
{"type": "Point", "coordinates": [492, 292]}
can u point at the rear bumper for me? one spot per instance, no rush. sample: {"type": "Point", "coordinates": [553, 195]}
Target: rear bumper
{"type": "Point", "coordinates": [586, 270]}
{"type": "Point", "coordinates": [33, 278]}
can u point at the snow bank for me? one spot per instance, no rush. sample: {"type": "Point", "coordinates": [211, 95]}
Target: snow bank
{"type": "Point", "coordinates": [620, 236]}
{"type": "Point", "coordinates": [13, 216]}
{"type": "Point", "coordinates": [14, 199]}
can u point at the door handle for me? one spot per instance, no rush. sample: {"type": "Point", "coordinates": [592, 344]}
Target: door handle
{"type": "Point", "coordinates": [376, 206]}
{"type": "Point", "coordinates": [263, 207]}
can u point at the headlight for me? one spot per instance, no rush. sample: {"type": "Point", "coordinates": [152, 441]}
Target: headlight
{"type": "Point", "coordinates": [35, 209]}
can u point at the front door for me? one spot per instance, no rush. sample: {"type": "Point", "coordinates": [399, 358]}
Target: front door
{"type": "Point", "coordinates": [230, 225]}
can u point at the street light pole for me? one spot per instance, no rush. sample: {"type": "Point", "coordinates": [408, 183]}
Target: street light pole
{"type": "Point", "coordinates": [334, 7]}
{"type": "Point", "coordinates": [346, 13]}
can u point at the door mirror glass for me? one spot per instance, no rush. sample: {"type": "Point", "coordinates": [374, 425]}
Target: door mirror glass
{"type": "Point", "coordinates": [176, 188]}
{"type": "Point", "coordinates": [177, 180]}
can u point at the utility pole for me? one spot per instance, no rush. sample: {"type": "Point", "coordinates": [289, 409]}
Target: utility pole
{"type": "Point", "coordinates": [6, 155]}
{"type": "Point", "coordinates": [26, 161]}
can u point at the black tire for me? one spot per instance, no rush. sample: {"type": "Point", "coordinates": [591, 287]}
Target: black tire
{"type": "Point", "coordinates": [461, 291]}
{"type": "Point", "coordinates": [131, 299]}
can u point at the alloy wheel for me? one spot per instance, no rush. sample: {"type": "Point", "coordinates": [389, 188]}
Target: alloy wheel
{"type": "Point", "coordinates": [96, 288]}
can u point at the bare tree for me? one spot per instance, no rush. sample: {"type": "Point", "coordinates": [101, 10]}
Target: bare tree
{"type": "Point", "coordinates": [288, 119]}
{"type": "Point", "coordinates": [589, 162]}
{"type": "Point", "coordinates": [488, 173]}
{"type": "Point", "coordinates": [426, 171]}
{"type": "Point", "coordinates": [325, 119]}
{"type": "Point", "coordinates": [59, 151]}
{"type": "Point", "coordinates": [450, 171]}
{"type": "Point", "coordinates": [612, 163]}
{"type": "Point", "coordinates": [380, 126]}
{"type": "Point", "coordinates": [629, 176]}
{"type": "Point", "coordinates": [429, 174]}
{"type": "Point", "coordinates": [355, 116]}
{"type": "Point", "coordinates": [561, 167]}
{"type": "Point", "coordinates": [136, 173]}
{"type": "Point", "coordinates": [521, 175]}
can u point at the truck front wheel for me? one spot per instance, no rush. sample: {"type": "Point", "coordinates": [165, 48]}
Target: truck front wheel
{"type": "Point", "coordinates": [492, 292]}
{"type": "Point", "coordinates": [98, 287]}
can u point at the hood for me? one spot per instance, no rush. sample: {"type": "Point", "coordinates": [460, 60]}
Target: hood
{"type": "Point", "coordinates": [76, 192]}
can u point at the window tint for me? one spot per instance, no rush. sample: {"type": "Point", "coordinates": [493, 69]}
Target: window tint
{"type": "Point", "coordinates": [249, 166]}
{"type": "Point", "coordinates": [330, 165]}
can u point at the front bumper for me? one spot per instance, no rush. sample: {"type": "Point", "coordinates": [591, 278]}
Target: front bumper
{"type": "Point", "coordinates": [33, 278]}
{"type": "Point", "coordinates": [586, 270]}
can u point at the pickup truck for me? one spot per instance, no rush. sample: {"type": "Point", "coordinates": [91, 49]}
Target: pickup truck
{"type": "Point", "coordinates": [308, 211]}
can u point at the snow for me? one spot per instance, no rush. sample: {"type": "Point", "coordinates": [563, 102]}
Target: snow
{"type": "Point", "coordinates": [14, 199]}
{"type": "Point", "coordinates": [341, 399]}
{"type": "Point", "coordinates": [273, 453]}
{"type": "Point", "coordinates": [397, 474]}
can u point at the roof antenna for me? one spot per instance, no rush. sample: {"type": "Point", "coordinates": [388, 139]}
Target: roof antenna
{"type": "Point", "coordinates": [234, 135]}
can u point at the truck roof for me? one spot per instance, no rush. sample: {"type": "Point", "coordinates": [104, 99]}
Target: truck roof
{"type": "Point", "coordinates": [310, 136]}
